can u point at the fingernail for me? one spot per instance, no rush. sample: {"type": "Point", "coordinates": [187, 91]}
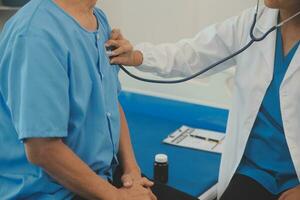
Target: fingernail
{"type": "Point", "coordinates": [109, 53]}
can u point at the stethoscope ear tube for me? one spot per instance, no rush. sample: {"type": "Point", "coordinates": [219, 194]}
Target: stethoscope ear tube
{"type": "Point", "coordinates": [258, 39]}
{"type": "Point", "coordinates": [253, 37]}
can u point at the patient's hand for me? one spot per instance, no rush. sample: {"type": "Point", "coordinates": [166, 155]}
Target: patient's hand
{"type": "Point", "coordinates": [136, 192]}
{"type": "Point", "coordinates": [292, 194]}
{"type": "Point", "coordinates": [130, 178]}
{"type": "Point", "coordinates": [123, 53]}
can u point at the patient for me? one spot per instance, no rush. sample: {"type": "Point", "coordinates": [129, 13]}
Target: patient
{"type": "Point", "coordinates": [61, 125]}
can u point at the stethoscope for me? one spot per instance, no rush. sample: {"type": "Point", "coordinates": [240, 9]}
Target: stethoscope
{"type": "Point", "coordinates": [253, 40]}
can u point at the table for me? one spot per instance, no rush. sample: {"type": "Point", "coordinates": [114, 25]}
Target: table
{"type": "Point", "coordinates": [151, 119]}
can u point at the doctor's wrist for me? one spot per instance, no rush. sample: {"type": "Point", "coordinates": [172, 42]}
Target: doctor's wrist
{"type": "Point", "coordinates": [138, 58]}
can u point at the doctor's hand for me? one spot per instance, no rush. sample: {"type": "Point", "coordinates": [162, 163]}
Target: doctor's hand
{"type": "Point", "coordinates": [123, 52]}
{"type": "Point", "coordinates": [292, 194]}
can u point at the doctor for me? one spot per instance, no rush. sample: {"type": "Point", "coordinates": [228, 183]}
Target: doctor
{"type": "Point", "coordinates": [261, 159]}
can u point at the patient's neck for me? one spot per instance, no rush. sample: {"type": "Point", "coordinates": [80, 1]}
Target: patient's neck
{"type": "Point", "coordinates": [81, 10]}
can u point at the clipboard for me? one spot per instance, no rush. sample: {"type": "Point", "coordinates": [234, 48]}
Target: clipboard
{"type": "Point", "coordinates": [199, 139]}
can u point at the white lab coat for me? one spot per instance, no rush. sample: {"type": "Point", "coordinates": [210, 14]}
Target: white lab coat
{"type": "Point", "coordinates": [254, 73]}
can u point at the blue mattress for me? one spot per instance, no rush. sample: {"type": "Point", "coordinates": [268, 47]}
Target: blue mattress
{"type": "Point", "coordinates": [151, 119]}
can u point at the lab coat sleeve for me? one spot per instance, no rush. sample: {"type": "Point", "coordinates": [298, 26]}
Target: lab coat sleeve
{"type": "Point", "coordinates": [192, 55]}
{"type": "Point", "coordinates": [37, 89]}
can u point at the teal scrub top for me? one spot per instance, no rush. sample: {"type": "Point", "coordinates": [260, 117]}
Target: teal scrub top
{"type": "Point", "coordinates": [267, 158]}
{"type": "Point", "coordinates": [55, 82]}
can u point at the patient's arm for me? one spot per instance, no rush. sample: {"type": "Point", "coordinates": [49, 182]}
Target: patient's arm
{"type": "Point", "coordinates": [131, 169]}
{"type": "Point", "coordinates": [64, 166]}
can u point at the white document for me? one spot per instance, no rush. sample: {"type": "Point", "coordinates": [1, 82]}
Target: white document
{"type": "Point", "coordinates": [199, 139]}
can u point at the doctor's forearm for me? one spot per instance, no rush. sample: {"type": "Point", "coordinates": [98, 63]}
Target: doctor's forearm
{"type": "Point", "coordinates": [126, 151]}
{"type": "Point", "coordinates": [66, 167]}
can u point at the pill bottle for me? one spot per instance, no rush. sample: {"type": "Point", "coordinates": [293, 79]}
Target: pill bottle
{"type": "Point", "coordinates": [161, 168]}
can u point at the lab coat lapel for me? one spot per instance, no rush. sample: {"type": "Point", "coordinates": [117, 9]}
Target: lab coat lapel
{"type": "Point", "coordinates": [267, 20]}
{"type": "Point", "coordinates": [267, 47]}
{"type": "Point", "coordinates": [294, 65]}
{"type": "Point", "coordinates": [290, 109]}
